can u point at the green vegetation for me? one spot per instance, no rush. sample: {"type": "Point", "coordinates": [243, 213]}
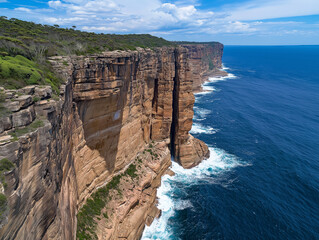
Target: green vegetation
{"type": "Point", "coordinates": [19, 71]}
{"type": "Point", "coordinates": [93, 207]}
{"type": "Point", "coordinates": [207, 58]}
{"type": "Point", "coordinates": [37, 41]}
{"type": "Point", "coordinates": [30, 128]}
{"type": "Point", "coordinates": [25, 47]}
{"type": "Point", "coordinates": [5, 165]}
{"type": "Point", "coordinates": [36, 99]}
{"type": "Point", "coordinates": [3, 110]}
{"type": "Point", "coordinates": [185, 42]}
{"type": "Point", "coordinates": [211, 64]}
{"type": "Point", "coordinates": [3, 204]}
{"type": "Point", "coordinates": [2, 96]}
{"type": "Point", "coordinates": [131, 171]}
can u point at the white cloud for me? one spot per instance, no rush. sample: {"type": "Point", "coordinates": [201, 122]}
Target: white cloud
{"type": "Point", "coordinates": [153, 15]}
{"type": "Point", "coordinates": [181, 13]}
{"type": "Point", "coordinates": [259, 10]}
{"type": "Point", "coordinates": [3, 1]}
{"type": "Point", "coordinates": [62, 21]}
{"type": "Point", "coordinates": [55, 4]}
{"type": "Point", "coordinates": [22, 9]}
{"type": "Point", "coordinates": [181, 17]}
{"type": "Point", "coordinates": [84, 6]}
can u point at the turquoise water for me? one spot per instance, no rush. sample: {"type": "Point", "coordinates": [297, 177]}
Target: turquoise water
{"type": "Point", "coordinates": [261, 123]}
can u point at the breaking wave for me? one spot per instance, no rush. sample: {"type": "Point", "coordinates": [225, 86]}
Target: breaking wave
{"type": "Point", "coordinates": [169, 201]}
{"type": "Point", "coordinates": [198, 129]}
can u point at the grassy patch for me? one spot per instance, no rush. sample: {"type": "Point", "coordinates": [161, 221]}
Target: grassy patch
{"type": "Point", "coordinates": [37, 41]}
{"type": "Point", "coordinates": [92, 209]}
{"type": "Point", "coordinates": [30, 128]}
{"type": "Point", "coordinates": [3, 110]}
{"type": "Point", "coordinates": [131, 171]}
{"type": "Point", "coordinates": [5, 165]}
{"type": "Point", "coordinates": [18, 71]}
{"type": "Point", "coordinates": [3, 204]}
{"type": "Point", "coordinates": [36, 99]}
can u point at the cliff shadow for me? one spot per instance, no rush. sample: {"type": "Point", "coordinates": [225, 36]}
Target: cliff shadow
{"type": "Point", "coordinates": [101, 111]}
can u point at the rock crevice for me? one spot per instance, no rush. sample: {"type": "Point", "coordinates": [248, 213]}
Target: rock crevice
{"type": "Point", "coordinates": [111, 108]}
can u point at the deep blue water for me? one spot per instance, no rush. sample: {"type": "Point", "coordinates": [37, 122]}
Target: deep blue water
{"type": "Point", "coordinates": [262, 126]}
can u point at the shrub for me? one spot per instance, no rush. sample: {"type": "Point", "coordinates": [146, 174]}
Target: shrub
{"type": "Point", "coordinates": [30, 128]}
{"type": "Point", "coordinates": [92, 209]}
{"type": "Point", "coordinates": [5, 165]}
{"type": "Point", "coordinates": [18, 69]}
{"type": "Point", "coordinates": [36, 99]}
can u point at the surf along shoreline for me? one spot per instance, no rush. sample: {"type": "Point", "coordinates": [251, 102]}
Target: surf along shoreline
{"type": "Point", "coordinates": [170, 198]}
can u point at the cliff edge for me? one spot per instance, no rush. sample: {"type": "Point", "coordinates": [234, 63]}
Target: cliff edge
{"type": "Point", "coordinates": [86, 165]}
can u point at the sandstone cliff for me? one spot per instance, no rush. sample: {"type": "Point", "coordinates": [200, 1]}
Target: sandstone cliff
{"type": "Point", "coordinates": [107, 139]}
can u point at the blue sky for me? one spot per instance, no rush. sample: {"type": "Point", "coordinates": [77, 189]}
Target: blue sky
{"type": "Point", "coordinates": [232, 22]}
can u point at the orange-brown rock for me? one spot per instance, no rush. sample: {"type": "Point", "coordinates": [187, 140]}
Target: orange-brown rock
{"type": "Point", "coordinates": [112, 106]}
{"type": "Point", "coordinates": [204, 59]}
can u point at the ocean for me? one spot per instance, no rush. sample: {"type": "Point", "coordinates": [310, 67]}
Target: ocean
{"type": "Point", "coordinates": [261, 123]}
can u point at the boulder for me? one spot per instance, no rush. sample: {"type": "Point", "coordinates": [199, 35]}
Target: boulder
{"type": "Point", "coordinates": [21, 102]}
{"type": "Point", "coordinates": [23, 117]}
{"type": "Point", "coordinates": [5, 124]}
{"type": "Point", "coordinates": [43, 92]}
{"type": "Point", "coordinates": [28, 90]}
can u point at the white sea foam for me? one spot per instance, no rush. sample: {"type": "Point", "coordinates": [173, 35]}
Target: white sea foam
{"type": "Point", "coordinates": [198, 129]}
{"type": "Point", "coordinates": [198, 94]}
{"type": "Point", "coordinates": [207, 87]}
{"type": "Point", "coordinates": [224, 68]}
{"type": "Point", "coordinates": [209, 170]}
{"type": "Point", "coordinates": [200, 113]}
{"type": "Point", "coordinates": [221, 78]}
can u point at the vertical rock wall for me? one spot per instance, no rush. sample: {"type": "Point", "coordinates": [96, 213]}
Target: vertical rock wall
{"type": "Point", "coordinates": [112, 107]}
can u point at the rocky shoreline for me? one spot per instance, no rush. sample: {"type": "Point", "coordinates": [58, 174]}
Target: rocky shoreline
{"type": "Point", "coordinates": [107, 139]}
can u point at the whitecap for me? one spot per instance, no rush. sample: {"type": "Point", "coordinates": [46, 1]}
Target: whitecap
{"type": "Point", "coordinates": [201, 93]}
{"type": "Point", "coordinates": [209, 170]}
{"type": "Point", "coordinates": [201, 112]}
{"type": "Point", "coordinates": [199, 129]}
{"type": "Point", "coordinates": [224, 68]}
{"type": "Point", "coordinates": [206, 87]}
{"type": "Point", "coordinates": [222, 78]}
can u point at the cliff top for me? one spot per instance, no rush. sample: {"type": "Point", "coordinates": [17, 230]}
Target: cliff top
{"type": "Point", "coordinates": [26, 46]}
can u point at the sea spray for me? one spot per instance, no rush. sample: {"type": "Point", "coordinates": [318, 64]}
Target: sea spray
{"type": "Point", "coordinates": [169, 201]}
{"type": "Point", "coordinates": [170, 198]}
{"type": "Point", "coordinates": [198, 129]}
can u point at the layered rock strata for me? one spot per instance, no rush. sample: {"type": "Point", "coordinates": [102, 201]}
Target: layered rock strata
{"type": "Point", "coordinates": [205, 60]}
{"type": "Point", "coordinates": [111, 108]}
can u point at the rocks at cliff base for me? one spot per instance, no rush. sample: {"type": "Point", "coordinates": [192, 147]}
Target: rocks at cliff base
{"type": "Point", "coordinates": [114, 107]}
{"type": "Point", "coordinates": [193, 152]}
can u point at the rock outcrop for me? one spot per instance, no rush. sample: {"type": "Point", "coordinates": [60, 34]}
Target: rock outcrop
{"type": "Point", "coordinates": [204, 61]}
{"type": "Point", "coordinates": [112, 108]}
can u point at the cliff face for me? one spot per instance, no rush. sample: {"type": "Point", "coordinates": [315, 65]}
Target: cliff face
{"type": "Point", "coordinates": [203, 61]}
{"type": "Point", "coordinates": [118, 109]}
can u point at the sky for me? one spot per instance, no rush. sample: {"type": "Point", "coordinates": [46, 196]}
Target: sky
{"type": "Point", "coordinates": [232, 22]}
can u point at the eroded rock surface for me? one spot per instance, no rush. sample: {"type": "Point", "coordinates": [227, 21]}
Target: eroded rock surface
{"type": "Point", "coordinates": [111, 108]}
